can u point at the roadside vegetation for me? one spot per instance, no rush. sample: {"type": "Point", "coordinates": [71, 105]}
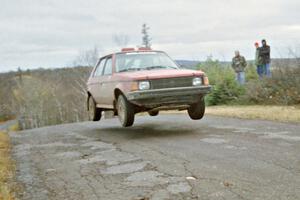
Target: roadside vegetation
{"type": "Point", "coordinates": [281, 89]}
{"type": "Point", "coordinates": [6, 168]}
{"type": "Point", "coordinates": [44, 97]}
{"type": "Point", "coordinates": [276, 98]}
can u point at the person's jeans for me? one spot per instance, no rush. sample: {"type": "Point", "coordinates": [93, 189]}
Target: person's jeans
{"type": "Point", "coordinates": [267, 70]}
{"type": "Point", "coordinates": [260, 70]}
{"type": "Point", "coordinates": [240, 77]}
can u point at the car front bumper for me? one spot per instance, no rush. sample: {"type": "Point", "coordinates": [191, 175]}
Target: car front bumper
{"type": "Point", "coordinates": [168, 96]}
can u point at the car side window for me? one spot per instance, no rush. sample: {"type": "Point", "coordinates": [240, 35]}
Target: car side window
{"type": "Point", "coordinates": [99, 69]}
{"type": "Point", "coordinates": [108, 67]}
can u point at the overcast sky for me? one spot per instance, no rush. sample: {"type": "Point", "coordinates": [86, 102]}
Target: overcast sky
{"type": "Point", "coordinates": [51, 33]}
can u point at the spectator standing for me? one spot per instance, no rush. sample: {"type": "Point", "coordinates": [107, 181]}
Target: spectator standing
{"type": "Point", "coordinates": [239, 64]}
{"type": "Point", "coordinates": [258, 61]}
{"type": "Point", "coordinates": [264, 53]}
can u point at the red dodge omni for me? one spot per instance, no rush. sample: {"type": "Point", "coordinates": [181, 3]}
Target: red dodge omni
{"type": "Point", "coordinates": [144, 80]}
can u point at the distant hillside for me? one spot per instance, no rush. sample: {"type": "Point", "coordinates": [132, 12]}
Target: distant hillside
{"type": "Point", "coordinates": [189, 64]}
{"type": "Point", "coordinates": [192, 64]}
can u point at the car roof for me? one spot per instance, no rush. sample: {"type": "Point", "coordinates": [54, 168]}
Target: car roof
{"type": "Point", "coordinates": [137, 51]}
{"type": "Point", "coordinates": [132, 50]}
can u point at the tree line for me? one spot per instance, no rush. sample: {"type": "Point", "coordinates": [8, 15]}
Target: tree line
{"type": "Point", "coordinates": [44, 96]}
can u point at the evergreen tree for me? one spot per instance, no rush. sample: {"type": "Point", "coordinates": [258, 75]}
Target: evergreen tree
{"type": "Point", "coordinates": [146, 38]}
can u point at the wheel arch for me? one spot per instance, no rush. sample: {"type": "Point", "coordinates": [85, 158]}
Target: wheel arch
{"type": "Point", "coordinates": [117, 93]}
{"type": "Point", "coordinates": [87, 100]}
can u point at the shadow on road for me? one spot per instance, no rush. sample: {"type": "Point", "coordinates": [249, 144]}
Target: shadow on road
{"type": "Point", "coordinates": [150, 130]}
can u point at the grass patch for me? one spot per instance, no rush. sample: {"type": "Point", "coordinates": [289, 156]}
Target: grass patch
{"type": "Point", "coordinates": [14, 127]}
{"type": "Point", "coordinates": [6, 168]}
{"type": "Point", "coordinates": [273, 113]}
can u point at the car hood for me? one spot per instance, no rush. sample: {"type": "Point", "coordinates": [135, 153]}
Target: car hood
{"type": "Point", "coordinates": [159, 73]}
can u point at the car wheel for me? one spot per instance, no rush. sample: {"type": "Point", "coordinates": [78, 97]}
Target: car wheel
{"type": "Point", "coordinates": [94, 112]}
{"type": "Point", "coordinates": [197, 110]}
{"type": "Point", "coordinates": [125, 111]}
{"type": "Point", "coordinates": [153, 113]}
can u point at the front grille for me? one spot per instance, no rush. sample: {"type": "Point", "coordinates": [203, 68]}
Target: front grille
{"type": "Point", "coordinates": [171, 82]}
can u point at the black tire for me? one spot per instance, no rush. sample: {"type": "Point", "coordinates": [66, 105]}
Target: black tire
{"type": "Point", "coordinates": [153, 113]}
{"type": "Point", "coordinates": [125, 111]}
{"type": "Point", "coordinates": [94, 112]}
{"type": "Point", "coordinates": [196, 111]}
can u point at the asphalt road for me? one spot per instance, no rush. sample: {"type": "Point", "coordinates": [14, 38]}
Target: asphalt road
{"type": "Point", "coordinates": [163, 157]}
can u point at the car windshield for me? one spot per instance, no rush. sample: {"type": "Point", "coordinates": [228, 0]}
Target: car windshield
{"type": "Point", "coordinates": [134, 61]}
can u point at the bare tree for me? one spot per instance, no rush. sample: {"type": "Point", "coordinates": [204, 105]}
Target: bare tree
{"type": "Point", "coordinates": [87, 58]}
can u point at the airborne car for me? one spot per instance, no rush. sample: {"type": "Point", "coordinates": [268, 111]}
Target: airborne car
{"type": "Point", "coordinates": [144, 80]}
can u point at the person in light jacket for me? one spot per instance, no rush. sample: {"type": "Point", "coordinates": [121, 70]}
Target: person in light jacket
{"type": "Point", "coordinates": [239, 64]}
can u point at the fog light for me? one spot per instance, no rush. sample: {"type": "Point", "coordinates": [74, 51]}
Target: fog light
{"type": "Point", "coordinates": [206, 81]}
{"type": "Point", "coordinates": [134, 86]}
{"type": "Point", "coordinates": [197, 81]}
{"type": "Point", "coordinates": [144, 85]}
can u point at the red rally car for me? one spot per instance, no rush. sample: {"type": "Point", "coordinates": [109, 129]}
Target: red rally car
{"type": "Point", "coordinates": [144, 80]}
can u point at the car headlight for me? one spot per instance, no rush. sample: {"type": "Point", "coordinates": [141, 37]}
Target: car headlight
{"type": "Point", "coordinates": [197, 81]}
{"type": "Point", "coordinates": [144, 85]}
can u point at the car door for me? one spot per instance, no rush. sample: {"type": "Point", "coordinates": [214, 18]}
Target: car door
{"type": "Point", "coordinates": [107, 85]}
{"type": "Point", "coordinates": [96, 82]}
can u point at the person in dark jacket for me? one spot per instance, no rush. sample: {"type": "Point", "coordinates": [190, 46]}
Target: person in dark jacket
{"type": "Point", "coordinates": [258, 61]}
{"type": "Point", "coordinates": [264, 53]}
{"type": "Point", "coordinates": [239, 64]}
